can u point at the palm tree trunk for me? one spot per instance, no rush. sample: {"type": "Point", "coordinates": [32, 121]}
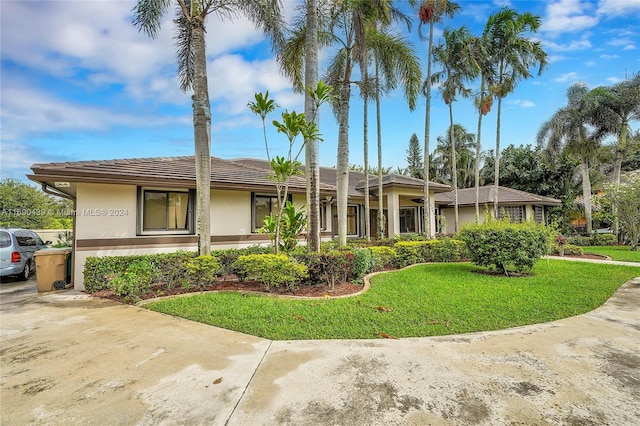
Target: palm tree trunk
{"type": "Point", "coordinates": [496, 171]}
{"type": "Point", "coordinates": [454, 167]}
{"type": "Point", "coordinates": [586, 193]}
{"type": "Point", "coordinates": [478, 150]}
{"type": "Point", "coordinates": [381, 224]}
{"type": "Point", "coordinates": [311, 113]}
{"type": "Point", "coordinates": [427, 125]}
{"type": "Point", "coordinates": [202, 138]}
{"type": "Point", "coordinates": [365, 144]}
{"type": "Point", "coordinates": [342, 163]}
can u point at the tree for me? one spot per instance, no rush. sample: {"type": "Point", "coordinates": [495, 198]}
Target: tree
{"type": "Point", "coordinates": [192, 73]}
{"type": "Point", "coordinates": [25, 206]}
{"type": "Point", "coordinates": [458, 68]}
{"type": "Point", "coordinates": [464, 143]}
{"type": "Point", "coordinates": [625, 197]}
{"type": "Point", "coordinates": [513, 53]}
{"type": "Point", "coordinates": [571, 129]}
{"type": "Point", "coordinates": [431, 12]}
{"type": "Point", "coordinates": [414, 158]}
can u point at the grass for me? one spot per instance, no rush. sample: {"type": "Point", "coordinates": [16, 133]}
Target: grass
{"type": "Point", "coordinates": [622, 253]}
{"type": "Point", "coordinates": [425, 300]}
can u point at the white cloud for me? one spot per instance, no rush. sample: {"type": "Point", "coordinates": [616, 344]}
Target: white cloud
{"type": "Point", "coordinates": [573, 45]}
{"type": "Point", "coordinates": [568, 16]}
{"type": "Point", "coordinates": [614, 80]}
{"type": "Point", "coordinates": [629, 47]}
{"type": "Point", "coordinates": [522, 103]}
{"type": "Point", "coordinates": [618, 7]}
{"type": "Point", "coordinates": [568, 76]}
{"type": "Point", "coordinates": [607, 56]}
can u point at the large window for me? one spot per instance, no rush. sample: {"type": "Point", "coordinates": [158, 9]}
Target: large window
{"type": "Point", "coordinates": [514, 213]}
{"type": "Point", "coordinates": [538, 213]}
{"type": "Point", "coordinates": [407, 220]}
{"type": "Point", "coordinates": [263, 206]}
{"type": "Point", "coordinates": [166, 211]}
{"type": "Point", "coordinates": [353, 223]}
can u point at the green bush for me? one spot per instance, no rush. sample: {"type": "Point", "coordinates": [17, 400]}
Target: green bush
{"type": "Point", "coordinates": [271, 270]}
{"type": "Point", "coordinates": [440, 250]}
{"type": "Point", "coordinates": [135, 281]}
{"type": "Point", "coordinates": [363, 262]}
{"type": "Point", "coordinates": [383, 257]}
{"type": "Point", "coordinates": [604, 240]}
{"type": "Point", "coordinates": [228, 256]}
{"type": "Point", "coordinates": [505, 246]}
{"type": "Point", "coordinates": [567, 249]}
{"type": "Point", "coordinates": [203, 270]}
{"type": "Point", "coordinates": [580, 240]}
{"type": "Point", "coordinates": [336, 266]}
{"type": "Point", "coordinates": [169, 268]}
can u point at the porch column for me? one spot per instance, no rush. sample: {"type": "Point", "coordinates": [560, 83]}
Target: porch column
{"type": "Point", "coordinates": [432, 216]}
{"type": "Point", "coordinates": [393, 210]}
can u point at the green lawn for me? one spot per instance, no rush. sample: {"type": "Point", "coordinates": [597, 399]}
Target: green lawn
{"type": "Point", "coordinates": [425, 300]}
{"type": "Point", "coordinates": [622, 253]}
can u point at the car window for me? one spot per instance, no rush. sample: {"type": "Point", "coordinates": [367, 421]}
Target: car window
{"type": "Point", "coordinates": [37, 239]}
{"type": "Point", "coordinates": [5, 239]}
{"type": "Point", "coordinates": [25, 238]}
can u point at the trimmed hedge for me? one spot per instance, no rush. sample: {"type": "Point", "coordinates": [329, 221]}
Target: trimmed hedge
{"type": "Point", "coordinates": [567, 249]}
{"type": "Point", "coordinates": [383, 257]}
{"type": "Point", "coordinates": [504, 246]}
{"type": "Point", "coordinates": [443, 250]}
{"type": "Point", "coordinates": [272, 270]}
{"type": "Point", "coordinates": [594, 240]}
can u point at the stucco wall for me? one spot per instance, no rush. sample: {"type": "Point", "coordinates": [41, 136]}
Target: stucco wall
{"type": "Point", "coordinates": [105, 211]}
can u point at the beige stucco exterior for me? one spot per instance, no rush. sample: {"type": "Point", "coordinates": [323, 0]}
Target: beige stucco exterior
{"type": "Point", "coordinates": [467, 215]}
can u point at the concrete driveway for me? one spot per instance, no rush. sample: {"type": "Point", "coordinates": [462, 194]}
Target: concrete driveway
{"type": "Point", "coordinates": [68, 359]}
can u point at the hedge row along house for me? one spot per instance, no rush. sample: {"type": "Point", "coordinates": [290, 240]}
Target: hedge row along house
{"type": "Point", "coordinates": [146, 205]}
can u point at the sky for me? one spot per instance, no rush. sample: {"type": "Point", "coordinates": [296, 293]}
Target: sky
{"type": "Point", "coordinates": [79, 82]}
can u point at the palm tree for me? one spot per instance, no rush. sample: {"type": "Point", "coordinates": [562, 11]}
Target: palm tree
{"type": "Point", "coordinates": [454, 55]}
{"type": "Point", "coordinates": [395, 64]}
{"type": "Point", "coordinates": [192, 73]}
{"type": "Point", "coordinates": [464, 143]}
{"type": "Point", "coordinates": [483, 101]}
{"type": "Point", "coordinates": [512, 54]}
{"type": "Point", "coordinates": [571, 129]}
{"type": "Point", "coordinates": [431, 12]}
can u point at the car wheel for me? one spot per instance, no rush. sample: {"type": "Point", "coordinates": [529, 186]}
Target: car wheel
{"type": "Point", "coordinates": [26, 272]}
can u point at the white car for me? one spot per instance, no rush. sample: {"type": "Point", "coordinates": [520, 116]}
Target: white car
{"type": "Point", "coordinates": [16, 252]}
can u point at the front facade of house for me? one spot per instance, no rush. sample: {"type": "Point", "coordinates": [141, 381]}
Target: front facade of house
{"type": "Point", "coordinates": [143, 206]}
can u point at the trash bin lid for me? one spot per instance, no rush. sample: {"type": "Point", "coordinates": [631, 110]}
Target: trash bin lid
{"type": "Point", "coordinates": [52, 252]}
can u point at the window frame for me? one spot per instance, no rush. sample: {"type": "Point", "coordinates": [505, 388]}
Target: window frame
{"type": "Point", "coordinates": [190, 230]}
{"type": "Point", "coordinates": [507, 210]}
{"type": "Point", "coordinates": [414, 212]}
{"type": "Point", "coordinates": [254, 195]}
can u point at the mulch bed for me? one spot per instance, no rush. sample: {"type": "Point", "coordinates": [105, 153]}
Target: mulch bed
{"type": "Point", "coordinates": [161, 290]}
{"type": "Point", "coordinates": [584, 256]}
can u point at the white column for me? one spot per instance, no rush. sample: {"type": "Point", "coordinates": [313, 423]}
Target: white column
{"type": "Point", "coordinates": [393, 209]}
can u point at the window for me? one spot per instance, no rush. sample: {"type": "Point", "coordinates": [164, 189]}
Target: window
{"type": "Point", "coordinates": [164, 211]}
{"type": "Point", "coordinates": [352, 220]}
{"type": "Point", "coordinates": [407, 220]}
{"type": "Point", "coordinates": [538, 214]}
{"type": "Point", "coordinates": [263, 206]}
{"type": "Point", "coordinates": [514, 213]}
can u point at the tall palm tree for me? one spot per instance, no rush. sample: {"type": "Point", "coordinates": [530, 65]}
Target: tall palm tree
{"type": "Point", "coordinates": [571, 129]}
{"type": "Point", "coordinates": [483, 102]}
{"type": "Point", "coordinates": [464, 143]}
{"type": "Point", "coordinates": [512, 54]}
{"type": "Point", "coordinates": [431, 12]}
{"type": "Point", "coordinates": [458, 67]}
{"type": "Point", "coordinates": [192, 73]}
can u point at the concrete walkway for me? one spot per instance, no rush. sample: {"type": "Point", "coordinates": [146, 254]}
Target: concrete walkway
{"type": "Point", "coordinates": [68, 359]}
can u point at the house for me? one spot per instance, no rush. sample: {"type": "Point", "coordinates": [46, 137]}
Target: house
{"type": "Point", "coordinates": [146, 205]}
{"type": "Point", "coordinates": [518, 205]}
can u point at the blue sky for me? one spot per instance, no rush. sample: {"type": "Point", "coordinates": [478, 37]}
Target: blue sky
{"type": "Point", "coordinates": [79, 82]}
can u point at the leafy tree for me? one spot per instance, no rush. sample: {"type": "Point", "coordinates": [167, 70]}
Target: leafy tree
{"type": "Point", "coordinates": [25, 206]}
{"type": "Point", "coordinates": [513, 53]}
{"type": "Point", "coordinates": [625, 197]}
{"type": "Point", "coordinates": [415, 160]}
{"type": "Point", "coordinates": [192, 73]}
{"type": "Point", "coordinates": [464, 143]}
{"type": "Point", "coordinates": [458, 67]}
{"type": "Point", "coordinates": [431, 12]}
{"type": "Point", "coordinates": [571, 129]}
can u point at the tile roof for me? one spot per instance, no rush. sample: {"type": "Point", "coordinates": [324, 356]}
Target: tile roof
{"type": "Point", "coordinates": [467, 197]}
{"type": "Point", "coordinates": [401, 180]}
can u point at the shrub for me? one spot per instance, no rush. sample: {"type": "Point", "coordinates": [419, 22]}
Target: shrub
{"type": "Point", "coordinates": [203, 270]}
{"type": "Point", "coordinates": [271, 270]}
{"type": "Point", "coordinates": [362, 263]}
{"type": "Point", "coordinates": [502, 245]}
{"type": "Point", "coordinates": [580, 240]}
{"type": "Point", "coordinates": [336, 266]}
{"type": "Point", "coordinates": [383, 257]}
{"type": "Point", "coordinates": [568, 249]}
{"type": "Point", "coordinates": [169, 268]}
{"type": "Point", "coordinates": [229, 256]}
{"type": "Point", "coordinates": [604, 240]}
{"type": "Point", "coordinates": [441, 250]}
{"type": "Point", "coordinates": [135, 281]}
